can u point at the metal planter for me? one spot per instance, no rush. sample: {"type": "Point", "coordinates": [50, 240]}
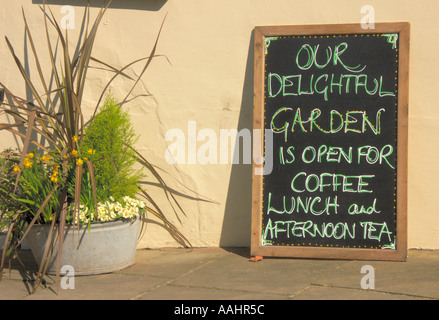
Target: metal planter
{"type": "Point", "coordinates": [105, 248]}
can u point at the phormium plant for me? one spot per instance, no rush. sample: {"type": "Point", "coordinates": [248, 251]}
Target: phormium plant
{"type": "Point", "coordinates": [70, 172]}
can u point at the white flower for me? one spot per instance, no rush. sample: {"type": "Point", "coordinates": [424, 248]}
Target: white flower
{"type": "Point", "coordinates": [110, 210]}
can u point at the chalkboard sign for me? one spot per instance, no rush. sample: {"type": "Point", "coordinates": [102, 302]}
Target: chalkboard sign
{"type": "Point", "coordinates": [332, 101]}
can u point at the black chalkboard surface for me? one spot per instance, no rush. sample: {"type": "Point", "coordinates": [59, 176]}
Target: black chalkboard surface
{"type": "Point", "coordinates": [332, 101]}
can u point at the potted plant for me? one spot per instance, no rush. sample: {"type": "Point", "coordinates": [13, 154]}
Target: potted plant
{"type": "Point", "coordinates": [81, 178]}
{"type": "Point", "coordinates": [108, 224]}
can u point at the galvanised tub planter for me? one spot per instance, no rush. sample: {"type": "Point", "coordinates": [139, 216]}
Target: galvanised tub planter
{"type": "Point", "coordinates": [105, 247]}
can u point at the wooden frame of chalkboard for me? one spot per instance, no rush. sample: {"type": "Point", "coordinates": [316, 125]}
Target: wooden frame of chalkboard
{"type": "Point", "coordinates": [335, 179]}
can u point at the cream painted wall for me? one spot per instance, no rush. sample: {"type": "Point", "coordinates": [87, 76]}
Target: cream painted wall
{"type": "Point", "coordinates": [209, 80]}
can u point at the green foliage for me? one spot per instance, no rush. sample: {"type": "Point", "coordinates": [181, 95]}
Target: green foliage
{"type": "Point", "coordinates": [108, 140]}
{"type": "Point", "coordinates": [37, 183]}
{"type": "Point", "coordinates": [7, 204]}
{"type": "Point", "coordinates": [38, 179]}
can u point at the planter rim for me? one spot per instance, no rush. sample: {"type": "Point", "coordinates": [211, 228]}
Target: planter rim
{"type": "Point", "coordinates": [94, 225]}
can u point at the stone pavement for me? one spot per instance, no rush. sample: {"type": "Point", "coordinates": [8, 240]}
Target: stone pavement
{"type": "Point", "coordinates": [227, 274]}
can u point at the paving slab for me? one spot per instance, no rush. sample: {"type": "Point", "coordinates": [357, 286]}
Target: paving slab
{"type": "Point", "coordinates": [314, 292]}
{"type": "Point", "coordinates": [269, 276]}
{"type": "Point", "coordinates": [178, 292]}
{"type": "Point", "coordinates": [13, 289]}
{"type": "Point", "coordinates": [99, 287]}
{"type": "Point", "coordinates": [417, 277]}
{"type": "Point", "coordinates": [227, 274]}
{"type": "Point", "coordinates": [171, 262]}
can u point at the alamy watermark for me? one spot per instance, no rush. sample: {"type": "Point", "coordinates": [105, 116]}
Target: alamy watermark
{"type": "Point", "coordinates": [368, 19]}
{"type": "Point", "coordinates": [68, 19]}
{"type": "Point", "coordinates": [368, 280]}
{"type": "Point", "coordinates": [230, 147]}
{"type": "Point", "coordinates": [68, 280]}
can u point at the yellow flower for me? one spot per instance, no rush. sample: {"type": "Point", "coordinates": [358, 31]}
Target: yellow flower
{"type": "Point", "coordinates": [75, 139]}
{"type": "Point", "coordinates": [45, 158]}
{"type": "Point", "coordinates": [75, 153]}
{"type": "Point", "coordinates": [16, 169]}
{"type": "Point", "coordinates": [28, 164]}
{"type": "Point", "coordinates": [79, 162]}
{"type": "Point", "coordinates": [91, 151]}
{"type": "Point", "coordinates": [30, 155]}
{"type": "Point", "coordinates": [85, 159]}
{"type": "Point", "coordinates": [66, 156]}
{"type": "Point", "coordinates": [55, 173]}
{"type": "Point", "coordinates": [54, 179]}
